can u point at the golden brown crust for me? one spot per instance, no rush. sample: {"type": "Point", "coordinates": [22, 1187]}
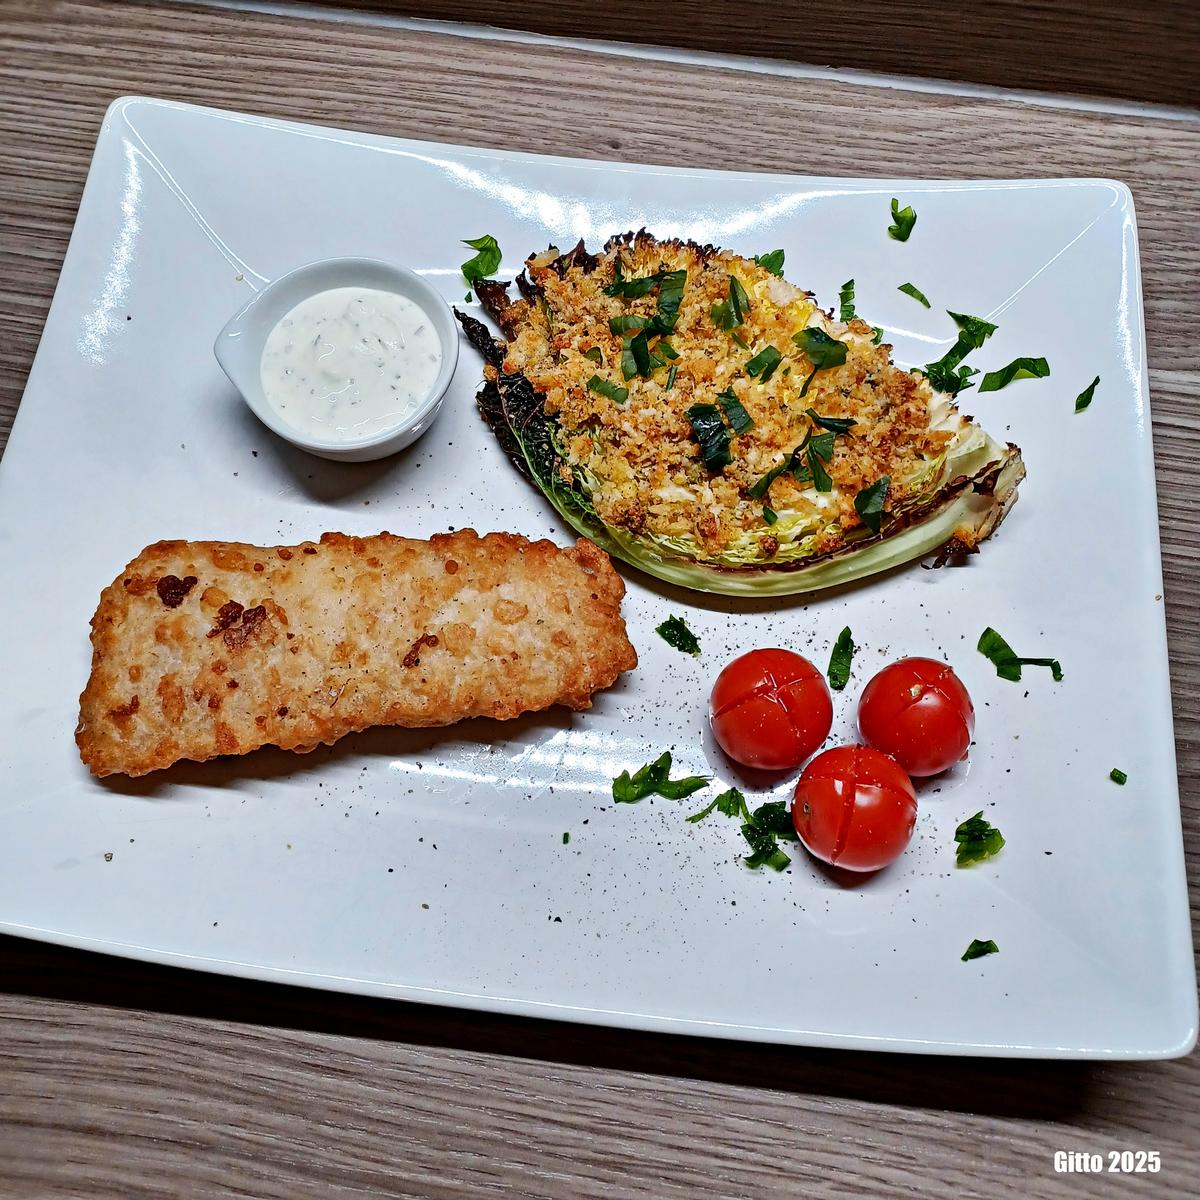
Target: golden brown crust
{"type": "Point", "coordinates": [296, 646]}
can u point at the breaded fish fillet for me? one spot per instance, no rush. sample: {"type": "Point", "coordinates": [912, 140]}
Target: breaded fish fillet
{"type": "Point", "coordinates": [209, 648]}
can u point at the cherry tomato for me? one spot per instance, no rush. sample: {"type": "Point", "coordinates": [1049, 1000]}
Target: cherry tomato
{"type": "Point", "coordinates": [855, 808]}
{"type": "Point", "coordinates": [770, 709]}
{"type": "Point", "coordinates": [917, 711]}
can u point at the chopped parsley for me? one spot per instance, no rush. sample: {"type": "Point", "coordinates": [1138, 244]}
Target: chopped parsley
{"type": "Point", "coordinates": [764, 848]}
{"type": "Point", "coordinates": [903, 220]}
{"type": "Point", "coordinates": [820, 451]}
{"type": "Point", "coordinates": [978, 949]}
{"type": "Point", "coordinates": [670, 285]}
{"type": "Point", "coordinates": [793, 463]}
{"type": "Point", "coordinates": [627, 324]}
{"type": "Point", "coordinates": [671, 377]}
{"type": "Point", "coordinates": [653, 780]}
{"type": "Point", "coordinates": [769, 514]}
{"type": "Point", "coordinates": [911, 289]}
{"type": "Point", "coordinates": [870, 501]}
{"type": "Point", "coordinates": [1019, 368]}
{"type": "Point", "coordinates": [1085, 397]}
{"type": "Point", "coordinates": [710, 433]}
{"type": "Point", "coordinates": [946, 375]}
{"type": "Point", "coordinates": [739, 418]}
{"type": "Point", "coordinates": [840, 659]}
{"type": "Point", "coordinates": [846, 301]}
{"type": "Point", "coordinates": [772, 261]}
{"type": "Point", "coordinates": [639, 347]}
{"type": "Point", "coordinates": [485, 262]}
{"type": "Point", "coordinates": [833, 424]}
{"type": "Point", "coordinates": [595, 354]}
{"type": "Point", "coordinates": [630, 289]}
{"type": "Point", "coordinates": [977, 839]}
{"type": "Point", "coordinates": [566, 839]}
{"type": "Point", "coordinates": [729, 314]}
{"type": "Point", "coordinates": [822, 350]}
{"type": "Point", "coordinates": [1008, 665]}
{"type": "Point", "coordinates": [764, 364]}
{"type": "Point", "coordinates": [602, 387]}
{"type": "Point", "coordinates": [877, 339]}
{"type": "Point", "coordinates": [674, 632]}
{"type": "Point", "coordinates": [1118, 776]}
{"type": "Point", "coordinates": [805, 464]}
{"type": "Point", "coordinates": [729, 804]}
{"type": "Point", "coordinates": [761, 828]}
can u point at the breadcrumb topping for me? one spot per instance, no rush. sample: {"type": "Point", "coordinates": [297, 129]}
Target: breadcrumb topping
{"type": "Point", "coordinates": [639, 455]}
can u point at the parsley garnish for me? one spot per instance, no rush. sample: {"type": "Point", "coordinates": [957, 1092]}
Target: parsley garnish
{"type": "Point", "coordinates": [1019, 368]}
{"type": "Point", "coordinates": [903, 220]}
{"type": "Point", "coordinates": [595, 354]}
{"type": "Point", "coordinates": [764, 363]}
{"type": "Point", "coordinates": [1085, 397]}
{"type": "Point", "coordinates": [1118, 776]}
{"type": "Point", "coordinates": [652, 779]}
{"type": "Point", "coordinates": [630, 289]}
{"type": "Point", "coordinates": [709, 431]}
{"type": "Point", "coordinates": [617, 394]}
{"type": "Point", "coordinates": [870, 501]}
{"type": "Point", "coordinates": [671, 377]}
{"type": "Point", "coordinates": [846, 301]}
{"type": "Point", "coordinates": [670, 285]}
{"type": "Point", "coordinates": [485, 262]}
{"type": "Point", "coordinates": [946, 375]}
{"type": "Point", "coordinates": [978, 949]}
{"type": "Point", "coordinates": [794, 463]}
{"type": "Point", "coordinates": [764, 849]}
{"type": "Point", "coordinates": [805, 463]}
{"type": "Point", "coordinates": [977, 839]}
{"type": "Point", "coordinates": [973, 331]}
{"type": "Point", "coordinates": [566, 839]}
{"type": "Point", "coordinates": [729, 314]}
{"type": "Point", "coordinates": [1008, 666]}
{"type": "Point", "coordinates": [729, 804]}
{"type": "Point", "coordinates": [769, 514]}
{"type": "Point", "coordinates": [840, 659]}
{"type": "Point", "coordinates": [878, 338]}
{"type": "Point", "coordinates": [639, 347]}
{"type": "Point", "coordinates": [822, 350]}
{"type": "Point", "coordinates": [772, 261]}
{"type": "Point", "coordinates": [674, 632]}
{"type": "Point", "coordinates": [834, 424]}
{"type": "Point", "coordinates": [820, 451]}
{"type": "Point", "coordinates": [627, 324]}
{"type": "Point", "coordinates": [739, 418]}
{"type": "Point", "coordinates": [761, 828]}
{"type": "Point", "coordinates": [911, 289]}
{"type": "Point", "coordinates": [670, 293]}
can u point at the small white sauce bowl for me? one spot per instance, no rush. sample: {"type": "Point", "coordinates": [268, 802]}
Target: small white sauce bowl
{"type": "Point", "coordinates": [239, 349]}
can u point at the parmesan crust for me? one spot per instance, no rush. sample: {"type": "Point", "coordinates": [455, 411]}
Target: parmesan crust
{"type": "Point", "coordinates": [640, 454]}
{"type": "Point", "coordinates": [208, 648]}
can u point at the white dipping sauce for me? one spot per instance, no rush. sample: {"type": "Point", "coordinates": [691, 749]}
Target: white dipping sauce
{"type": "Point", "coordinates": [350, 362]}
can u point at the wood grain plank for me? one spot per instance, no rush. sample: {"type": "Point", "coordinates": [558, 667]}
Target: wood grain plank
{"type": "Point", "coordinates": [121, 1079]}
{"type": "Point", "coordinates": [1083, 46]}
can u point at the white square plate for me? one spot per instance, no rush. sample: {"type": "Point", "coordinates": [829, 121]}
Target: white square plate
{"type": "Point", "coordinates": [431, 865]}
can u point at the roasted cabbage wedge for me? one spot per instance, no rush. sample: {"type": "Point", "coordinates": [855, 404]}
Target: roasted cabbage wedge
{"type": "Point", "coordinates": [702, 419]}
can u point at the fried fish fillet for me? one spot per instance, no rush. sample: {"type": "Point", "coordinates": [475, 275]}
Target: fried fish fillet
{"type": "Point", "coordinates": [207, 648]}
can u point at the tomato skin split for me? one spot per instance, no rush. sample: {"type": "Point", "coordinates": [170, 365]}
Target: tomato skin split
{"type": "Point", "coordinates": [855, 808]}
{"type": "Point", "coordinates": [918, 711]}
{"type": "Point", "coordinates": [770, 709]}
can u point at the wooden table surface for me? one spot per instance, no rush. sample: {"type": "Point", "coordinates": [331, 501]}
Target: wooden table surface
{"type": "Point", "coordinates": [118, 1079]}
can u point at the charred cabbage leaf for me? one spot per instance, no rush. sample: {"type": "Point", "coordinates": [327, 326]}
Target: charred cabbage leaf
{"type": "Point", "coordinates": [778, 541]}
